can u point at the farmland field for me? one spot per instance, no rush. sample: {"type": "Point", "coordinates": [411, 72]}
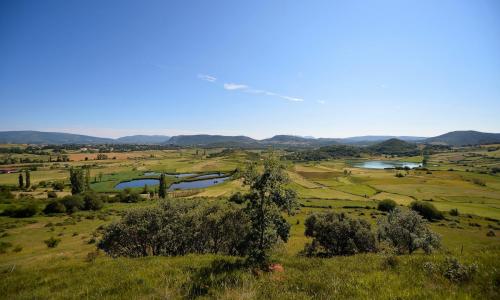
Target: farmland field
{"type": "Point", "coordinates": [74, 269]}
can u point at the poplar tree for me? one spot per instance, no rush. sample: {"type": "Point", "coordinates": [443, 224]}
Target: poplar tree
{"type": "Point", "coordinates": [21, 181]}
{"type": "Point", "coordinates": [28, 179]}
{"type": "Point", "coordinates": [162, 192]}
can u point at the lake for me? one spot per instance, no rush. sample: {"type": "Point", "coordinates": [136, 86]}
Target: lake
{"type": "Point", "coordinates": [185, 185]}
{"type": "Point", "coordinates": [385, 164]}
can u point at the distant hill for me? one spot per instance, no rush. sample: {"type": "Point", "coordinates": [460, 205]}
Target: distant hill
{"type": "Point", "coordinates": [206, 139]}
{"type": "Point", "coordinates": [38, 137]}
{"type": "Point", "coordinates": [371, 139]}
{"type": "Point", "coordinates": [394, 147]}
{"type": "Point", "coordinates": [462, 138]}
{"type": "Point", "coordinates": [143, 139]}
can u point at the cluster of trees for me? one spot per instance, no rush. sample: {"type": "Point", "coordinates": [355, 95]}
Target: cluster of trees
{"type": "Point", "coordinates": [80, 179]}
{"type": "Point", "coordinates": [325, 153]}
{"type": "Point", "coordinates": [337, 234]}
{"type": "Point", "coordinates": [74, 203]}
{"type": "Point", "coordinates": [251, 228]}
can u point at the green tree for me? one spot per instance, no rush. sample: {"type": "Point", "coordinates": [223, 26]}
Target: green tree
{"type": "Point", "coordinates": [267, 199]}
{"type": "Point", "coordinates": [28, 179]}
{"type": "Point", "coordinates": [407, 231]}
{"type": "Point", "coordinates": [87, 177]}
{"type": "Point", "coordinates": [77, 180]}
{"type": "Point", "coordinates": [21, 181]}
{"type": "Point", "coordinates": [162, 192]}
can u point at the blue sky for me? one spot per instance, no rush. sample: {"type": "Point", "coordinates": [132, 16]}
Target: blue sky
{"type": "Point", "coordinates": [258, 68]}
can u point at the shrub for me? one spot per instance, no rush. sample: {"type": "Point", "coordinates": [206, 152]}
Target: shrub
{"type": "Point", "coordinates": [51, 194]}
{"type": "Point", "coordinates": [92, 201]}
{"type": "Point", "coordinates": [454, 212]}
{"type": "Point", "coordinates": [177, 228]}
{"type": "Point", "coordinates": [457, 272]}
{"type": "Point", "coordinates": [21, 212]}
{"type": "Point", "coordinates": [426, 210]}
{"type": "Point", "coordinates": [73, 203]}
{"type": "Point", "coordinates": [4, 246]}
{"type": "Point", "coordinates": [18, 248]}
{"type": "Point", "coordinates": [386, 205]}
{"type": "Point", "coordinates": [478, 181]}
{"type": "Point", "coordinates": [128, 196]}
{"type": "Point", "coordinates": [238, 198]}
{"type": "Point", "coordinates": [59, 186]}
{"type": "Point", "coordinates": [54, 207]}
{"type": "Point", "coordinates": [490, 233]}
{"type": "Point", "coordinates": [399, 175]}
{"type": "Point", "coordinates": [337, 234]}
{"type": "Point", "coordinates": [52, 242]}
{"type": "Point", "coordinates": [407, 231]}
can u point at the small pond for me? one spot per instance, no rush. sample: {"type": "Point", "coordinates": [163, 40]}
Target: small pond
{"type": "Point", "coordinates": [175, 186]}
{"type": "Point", "coordinates": [385, 164]}
{"type": "Point", "coordinates": [197, 184]}
{"type": "Point", "coordinates": [136, 183]}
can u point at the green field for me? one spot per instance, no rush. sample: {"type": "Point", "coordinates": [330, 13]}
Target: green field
{"type": "Point", "coordinates": [31, 270]}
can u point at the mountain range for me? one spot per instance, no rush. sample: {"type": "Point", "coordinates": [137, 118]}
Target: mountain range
{"type": "Point", "coordinates": [455, 138]}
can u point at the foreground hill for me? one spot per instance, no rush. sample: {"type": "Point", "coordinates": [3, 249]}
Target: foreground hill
{"type": "Point", "coordinates": [38, 137]}
{"type": "Point", "coordinates": [143, 139]}
{"type": "Point", "coordinates": [462, 138]}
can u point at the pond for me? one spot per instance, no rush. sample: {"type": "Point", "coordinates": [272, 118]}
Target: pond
{"type": "Point", "coordinates": [136, 183]}
{"type": "Point", "coordinates": [197, 184]}
{"type": "Point", "coordinates": [385, 164]}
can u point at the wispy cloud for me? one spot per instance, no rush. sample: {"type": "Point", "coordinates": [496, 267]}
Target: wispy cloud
{"type": "Point", "coordinates": [235, 86]}
{"type": "Point", "coordinates": [321, 101]}
{"type": "Point", "coordinates": [207, 77]}
{"type": "Point", "coordinates": [247, 89]}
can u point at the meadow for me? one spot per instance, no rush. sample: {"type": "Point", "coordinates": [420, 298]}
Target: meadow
{"type": "Point", "coordinates": [76, 269]}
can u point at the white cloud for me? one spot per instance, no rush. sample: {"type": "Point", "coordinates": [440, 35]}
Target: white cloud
{"type": "Point", "coordinates": [247, 89]}
{"type": "Point", "coordinates": [294, 99]}
{"type": "Point", "coordinates": [235, 86]}
{"type": "Point", "coordinates": [207, 77]}
{"type": "Point", "coordinates": [321, 101]}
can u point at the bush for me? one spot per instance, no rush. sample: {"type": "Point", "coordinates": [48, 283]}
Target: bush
{"type": "Point", "coordinates": [490, 233]}
{"type": "Point", "coordinates": [399, 175]}
{"type": "Point", "coordinates": [177, 228]}
{"type": "Point", "coordinates": [92, 201]}
{"type": "Point", "coordinates": [54, 207]}
{"type": "Point", "coordinates": [386, 205]}
{"type": "Point", "coordinates": [59, 186]}
{"type": "Point", "coordinates": [407, 231]}
{"type": "Point", "coordinates": [337, 234]}
{"type": "Point", "coordinates": [238, 198]}
{"type": "Point", "coordinates": [478, 181]}
{"type": "Point", "coordinates": [457, 272]}
{"type": "Point", "coordinates": [73, 203]}
{"type": "Point", "coordinates": [51, 194]}
{"type": "Point", "coordinates": [21, 212]}
{"type": "Point", "coordinates": [426, 210]}
{"type": "Point", "coordinates": [454, 212]}
{"type": "Point", "coordinates": [52, 242]}
{"type": "Point", "coordinates": [4, 246]}
{"type": "Point", "coordinates": [128, 196]}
